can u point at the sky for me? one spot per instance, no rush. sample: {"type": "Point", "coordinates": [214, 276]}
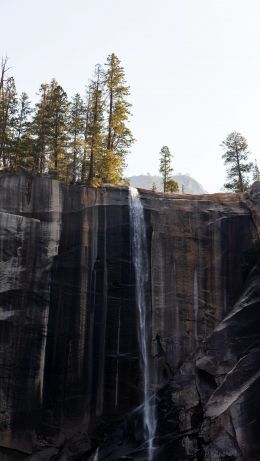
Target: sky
{"type": "Point", "coordinates": [193, 67]}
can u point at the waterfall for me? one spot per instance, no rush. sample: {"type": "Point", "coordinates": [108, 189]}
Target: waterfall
{"type": "Point", "coordinates": [140, 261]}
{"type": "Point", "coordinates": [96, 455]}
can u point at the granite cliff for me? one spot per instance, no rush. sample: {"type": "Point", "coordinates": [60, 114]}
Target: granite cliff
{"type": "Point", "coordinates": [71, 385]}
{"type": "Point", "coordinates": [186, 183]}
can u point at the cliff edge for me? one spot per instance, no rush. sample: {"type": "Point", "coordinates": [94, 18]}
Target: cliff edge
{"type": "Point", "coordinates": [71, 386]}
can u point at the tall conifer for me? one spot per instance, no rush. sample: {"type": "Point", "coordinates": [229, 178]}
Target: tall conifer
{"type": "Point", "coordinates": [23, 143]}
{"type": "Point", "coordinates": [40, 129]}
{"type": "Point", "coordinates": [72, 142]}
{"type": "Point", "coordinates": [58, 131]}
{"type": "Point", "coordinates": [119, 137]}
{"type": "Point", "coordinates": [236, 158]}
{"type": "Point", "coordinates": [76, 132]}
{"type": "Point", "coordinates": [85, 157]}
{"type": "Point", "coordinates": [169, 185]}
{"type": "Point", "coordinates": [8, 108]}
{"type": "Point", "coordinates": [95, 137]}
{"type": "Point", "coordinates": [256, 172]}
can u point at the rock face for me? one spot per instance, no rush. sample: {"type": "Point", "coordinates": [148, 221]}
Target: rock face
{"type": "Point", "coordinates": [186, 183]}
{"type": "Point", "coordinates": [71, 387]}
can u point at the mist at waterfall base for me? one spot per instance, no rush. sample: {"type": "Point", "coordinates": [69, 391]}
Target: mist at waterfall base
{"type": "Point", "coordinates": [96, 455]}
{"type": "Point", "coordinates": [141, 267]}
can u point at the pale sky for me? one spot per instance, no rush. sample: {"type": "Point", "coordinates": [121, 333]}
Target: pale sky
{"type": "Point", "coordinates": [193, 67]}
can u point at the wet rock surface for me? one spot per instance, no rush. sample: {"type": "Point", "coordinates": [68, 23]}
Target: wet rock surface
{"type": "Point", "coordinates": [70, 380]}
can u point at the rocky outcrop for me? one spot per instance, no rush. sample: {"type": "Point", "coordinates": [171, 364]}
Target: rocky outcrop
{"type": "Point", "coordinates": [70, 380]}
{"type": "Point", "coordinates": [186, 183]}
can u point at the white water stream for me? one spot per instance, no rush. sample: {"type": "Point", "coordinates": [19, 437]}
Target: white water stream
{"type": "Point", "coordinates": [96, 455]}
{"type": "Point", "coordinates": [140, 261]}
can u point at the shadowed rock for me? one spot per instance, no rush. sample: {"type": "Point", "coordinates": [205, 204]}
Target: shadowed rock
{"type": "Point", "coordinates": [70, 379]}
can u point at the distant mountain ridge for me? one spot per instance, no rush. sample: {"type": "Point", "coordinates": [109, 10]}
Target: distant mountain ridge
{"type": "Point", "coordinates": [186, 183]}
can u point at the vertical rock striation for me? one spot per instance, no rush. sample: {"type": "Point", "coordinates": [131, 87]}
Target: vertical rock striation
{"type": "Point", "coordinates": [70, 377]}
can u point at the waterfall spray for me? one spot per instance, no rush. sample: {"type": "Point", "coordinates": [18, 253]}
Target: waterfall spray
{"type": "Point", "coordinates": [140, 261]}
{"type": "Point", "coordinates": [96, 455]}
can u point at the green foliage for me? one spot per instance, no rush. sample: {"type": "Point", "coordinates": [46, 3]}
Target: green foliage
{"type": "Point", "coordinates": [172, 186]}
{"type": "Point", "coordinates": [239, 168]}
{"type": "Point", "coordinates": [165, 166]}
{"type": "Point", "coordinates": [85, 158]}
{"type": "Point", "coordinates": [75, 141]}
{"type": "Point", "coordinates": [49, 130]}
{"type": "Point", "coordinates": [95, 127]}
{"type": "Point", "coordinates": [58, 106]}
{"type": "Point", "coordinates": [40, 130]}
{"type": "Point", "coordinates": [8, 111]}
{"type": "Point", "coordinates": [125, 182]}
{"type": "Point", "coordinates": [110, 168]}
{"type": "Point", "coordinates": [154, 188]}
{"type": "Point", "coordinates": [76, 129]}
{"type": "Point", "coordinates": [119, 137]}
{"type": "Point", "coordinates": [22, 151]}
{"type": "Point", "coordinates": [256, 172]}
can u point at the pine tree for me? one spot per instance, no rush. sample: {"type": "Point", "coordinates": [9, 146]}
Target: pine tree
{"type": "Point", "coordinates": [119, 137]}
{"type": "Point", "coordinates": [165, 165]}
{"type": "Point", "coordinates": [256, 172]}
{"type": "Point", "coordinates": [3, 73]}
{"type": "Point", "coordinates": [8, 108]}
{"type": "Point", "coordinates": [40, 129]}
{"type": "Point", "coordinates": [23, 143]}
{"type": "Point", "coordinates": [78, 142]}
{"type": "Point", "coordinates": [239, 168]}
{"type": "Point", "coordinates": [169, 185]}
{"type": "Point", "coordinates": [172, 186]}
{"type": "Point", "coordinates": [154, 188]}
{"type": "Point", "coordinates": [95, 131]}
{"type": "Point", "coordinates": [76, 131]}
{"type": "Point", "coordinates": [58, 131]}
{"type": "Point", "coordinates": [85, 158]}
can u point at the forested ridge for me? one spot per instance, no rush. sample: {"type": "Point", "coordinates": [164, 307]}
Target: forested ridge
{"type": "Point", "coordinates": [82, 140]}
